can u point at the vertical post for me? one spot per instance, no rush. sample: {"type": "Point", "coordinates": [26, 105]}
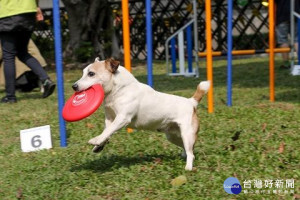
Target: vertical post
{"type": "Point", "coordinates": [209, 55]}
{"type": "Point", "coordinates": [229, 53]}
{"type": "Point", "coordinates": [196, 49]}
{"type": "Point", "coordinates": [126, 36]}
{"type": "Point", "coordinates": [173, 54]}
{"type": "Point", "coordinates": [271, 47]}
{"type": "Point", "coordinates": [149, 42]}
{"type": "Point", "coordinates": [298, 36]}
{"type": "Point", "coordinates": [189, 48]}
{"type": "Point", "coordinates": [181, 53]}
{"type": "Point", "coordinates": [292, 25]}
{"type": "Point", "coordinates": [59, 72]}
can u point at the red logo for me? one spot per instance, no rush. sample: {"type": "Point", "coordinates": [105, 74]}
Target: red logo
{"type": "Point", "coordinates": [79, 99]}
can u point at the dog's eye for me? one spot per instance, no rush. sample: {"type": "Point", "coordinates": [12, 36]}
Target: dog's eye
{"type": "Point", "coordinates": [91, 74]}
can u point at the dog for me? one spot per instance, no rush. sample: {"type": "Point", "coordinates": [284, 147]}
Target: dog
{"type": "Point", "coordinates": [130, 103]}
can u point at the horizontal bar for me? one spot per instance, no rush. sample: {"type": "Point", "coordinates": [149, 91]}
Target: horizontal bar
{"type": "Point", "coordinates": [246, 52]}
{"type": "Point", "coordinates": [296, 14]}
{"type": "Point", "coordinates": [178, 31]}
{"type": "Point", "coordinates": [183, 74]}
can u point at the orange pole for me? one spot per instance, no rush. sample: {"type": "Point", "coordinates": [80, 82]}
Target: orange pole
{"type": "Point", "coordinates": [271, 47]}
{"type": "Point", "coordinates": [209, 55]}
{"type": "Point", "coordinates": [126, 38]}
{"type": "Point", "coordinates": [126, 41]}
{"type": "Point", "coordinates": [245, 52]}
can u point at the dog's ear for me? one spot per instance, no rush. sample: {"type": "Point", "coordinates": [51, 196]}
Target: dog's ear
{"type": "Point", "coordinates": [97, 59]}
{"type": "Point", "coordinates": [112, 65]}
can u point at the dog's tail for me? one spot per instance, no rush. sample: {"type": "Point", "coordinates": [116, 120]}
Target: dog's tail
{"type": "Point", "coordinates": [202, 89]}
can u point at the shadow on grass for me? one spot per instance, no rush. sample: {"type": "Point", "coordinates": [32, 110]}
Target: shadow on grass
{"type": "Point", "coordinates": [111, 162]}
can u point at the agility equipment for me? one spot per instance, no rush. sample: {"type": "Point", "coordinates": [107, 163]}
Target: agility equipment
{"type": "Point", "coordinates": [59, 72]}
{"type": "Point", "coordinates": [295, 69]}
{"type": "Point", "coordinates": [209, 53]}
{"type": "Point", "coordinates": [84, 103]}
{"type": "Point", "coordinates": [179, 34]}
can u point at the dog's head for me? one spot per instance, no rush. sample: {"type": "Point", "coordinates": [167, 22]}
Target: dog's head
{"type": "Point", "coordinates": [99, 72]}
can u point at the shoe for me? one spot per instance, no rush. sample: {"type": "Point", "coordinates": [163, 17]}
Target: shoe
{"type": "Point", "coordinates": [9, 100]}
{"type": "Point", "coordinates": [49, 88]}
{"type": "Point", "coordinates": [284, 67]}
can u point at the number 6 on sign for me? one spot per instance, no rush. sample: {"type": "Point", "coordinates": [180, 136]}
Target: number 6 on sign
{"type": "Point", "coordinates": [36, 138]}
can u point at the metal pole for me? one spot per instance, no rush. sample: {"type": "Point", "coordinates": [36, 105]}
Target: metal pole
{"type": "Point", "coordinates": [229, 53]}
{"type": "Point", "coordinates": [292, 33]}
{"type": "Point", "coordinates": [196, 49]}
{"type": "Point", "coordinates": [189, 48]}
{"type": "Point", "coordinates": [298, 36]}
{"type": "Point", "coordinates": [126, 37]}
{"type": "Point", "coordinates": [149, 42]}
{"type": "Point", "coordinates": [173, 54]}
{"type": "Point", "coordinates": [209, 61]}
{"type": "Point", "coordinates": [181, 53]}
{"type": "Point", "coordinates": [271, 47]}
{"type": "Point", "coordinates": [59, 72]}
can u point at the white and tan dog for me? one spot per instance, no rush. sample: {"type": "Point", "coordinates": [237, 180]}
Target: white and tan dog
{"type": "Point", "coordinates": [131, 103]}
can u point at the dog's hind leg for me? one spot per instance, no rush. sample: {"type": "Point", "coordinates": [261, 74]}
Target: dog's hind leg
{"type": "Point", "coordinates": [188, 136]}
{"type": "Point", "coordinates": [176, 139]}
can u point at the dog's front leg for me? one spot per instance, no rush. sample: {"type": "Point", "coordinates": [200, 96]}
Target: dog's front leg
{"type": "Point", "coordinates": [119, 122]}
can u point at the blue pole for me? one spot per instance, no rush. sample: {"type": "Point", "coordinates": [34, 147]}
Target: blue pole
{"type": "Point", "coordinates": [59, 72]}
{"type": "Point", "coordinates": [298, 35]}
{"type": "Point", "coordinates": [173, 54]}
{"type": "Point", "coordinates": [189, 48]}
{"type": "Point", "coordinates": [229, 53]}
{"type": "Point", "coordinates": [149, 42]}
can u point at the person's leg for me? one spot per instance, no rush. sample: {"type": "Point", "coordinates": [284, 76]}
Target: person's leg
{"type": "Point", "coordinates": [282, 31]}
{"type": "Point", "coordinates": [32, 63]}
{"type": "Point", "coordinates": [28, 59]}
{"type": "Point", "coordinates": [9, 53]}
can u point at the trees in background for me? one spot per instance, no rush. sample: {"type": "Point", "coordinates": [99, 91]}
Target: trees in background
{"type": "Point", "coordinates": [92, 30]}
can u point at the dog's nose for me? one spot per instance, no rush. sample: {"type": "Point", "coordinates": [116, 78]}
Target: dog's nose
{"type": "Point", "coordinates": [75, 86]}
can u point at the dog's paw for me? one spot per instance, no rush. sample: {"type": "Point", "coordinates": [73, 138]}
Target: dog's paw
{"type": "Point", "coordinates": [98, 149]}
{"type": "Point", "coordinates": [95, 141]}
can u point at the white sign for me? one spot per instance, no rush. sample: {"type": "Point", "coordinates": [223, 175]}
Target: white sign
{"type": "Point", "coordinates": [36, 138]}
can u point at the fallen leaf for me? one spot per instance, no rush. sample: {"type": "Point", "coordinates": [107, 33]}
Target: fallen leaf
{"type": "Point", "coordinates": [157, 161]}
{"type": "Point", "coordinates": [252, 140]}
{"type": "Point", "coordinates": [143, 168]}
{"type": "Point", "coordinates": [178, 181]}
{"type": "Point", "coordinates": [90, 126]}
{"type": "Point", "coordinates": [19, 193]}
{"type": "Point", "coordinates": [264, 126]}
{"type": "Point", "coordinates": [281, 147]}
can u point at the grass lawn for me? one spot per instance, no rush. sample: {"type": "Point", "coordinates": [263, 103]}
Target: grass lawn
{"type": "Point", "coordinates": [252, 140]}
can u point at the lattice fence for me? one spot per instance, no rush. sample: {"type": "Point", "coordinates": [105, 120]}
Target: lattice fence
{"type": "Point", "coordinates": [250, 24]}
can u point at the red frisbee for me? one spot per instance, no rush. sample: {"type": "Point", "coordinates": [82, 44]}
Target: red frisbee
{"type": "Point", "coordinates": [82, 104]}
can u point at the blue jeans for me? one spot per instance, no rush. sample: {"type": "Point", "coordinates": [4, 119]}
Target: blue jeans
{"type": "Point", "coordinates": [15, 44]}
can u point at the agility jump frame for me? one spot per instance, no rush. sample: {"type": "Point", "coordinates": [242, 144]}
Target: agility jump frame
{"type": "Point", "coordinates": [209, 53]}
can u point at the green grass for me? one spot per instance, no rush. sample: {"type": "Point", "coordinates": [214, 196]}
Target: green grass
{"type": "Point", "coordinates": [142, 164]}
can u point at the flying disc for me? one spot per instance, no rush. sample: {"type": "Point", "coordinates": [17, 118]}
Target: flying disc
{"type": "Point", "coordinates": [82, 104]}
